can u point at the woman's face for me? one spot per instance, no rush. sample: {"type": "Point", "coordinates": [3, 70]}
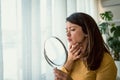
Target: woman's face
{"type": "Point", "coordinates": [75, 33]}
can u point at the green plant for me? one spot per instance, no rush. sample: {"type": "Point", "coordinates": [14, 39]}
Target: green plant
{"type": "Point", "coordinates": [112, 33]}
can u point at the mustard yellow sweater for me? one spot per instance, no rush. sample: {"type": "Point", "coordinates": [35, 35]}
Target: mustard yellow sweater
{"type": "Point", "coordinates": [106, 71]}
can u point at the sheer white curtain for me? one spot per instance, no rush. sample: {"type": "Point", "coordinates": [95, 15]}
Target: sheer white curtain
{"type": "Point", "coordinates": [11, 39]}
{"type": "Point", "coordinates": [53, 16]}
{"type": "Point", "coordinates": [1, 53]}
{"type": "Point", "coordinates": [87, 6]}
{"type": "Point", "coordinates": [25, 25]}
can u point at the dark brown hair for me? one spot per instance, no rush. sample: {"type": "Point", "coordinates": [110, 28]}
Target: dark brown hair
{"type": "Point", "coordinates": [96, 46]}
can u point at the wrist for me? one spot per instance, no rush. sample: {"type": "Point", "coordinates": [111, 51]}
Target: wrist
{"type": "Point", "coordinates": [68, 66]}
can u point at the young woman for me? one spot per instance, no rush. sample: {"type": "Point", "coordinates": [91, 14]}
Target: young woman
{"type": "Point", "coordinates": [88, 57]}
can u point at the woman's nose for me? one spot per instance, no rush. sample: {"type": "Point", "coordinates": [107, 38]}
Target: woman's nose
{"type": "Point", "coordinates": [68, 34]}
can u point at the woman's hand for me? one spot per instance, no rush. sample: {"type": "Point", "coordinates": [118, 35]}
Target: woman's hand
{"type": "Point", "coordinates": [60, 75]}
{"type": "Point", "coordinates": [73, 54]}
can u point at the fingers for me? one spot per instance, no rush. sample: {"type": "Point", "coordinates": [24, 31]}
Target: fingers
{"type": "Point", "coordinates": [74, 51]}
{"type": "Point", "coordinates": [73, 47]}
{"type": "Point", "coordinates": [59, 75]}
{"type": "Point", "coordinates": [78, 53]}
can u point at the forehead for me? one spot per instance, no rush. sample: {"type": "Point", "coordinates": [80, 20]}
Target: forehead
{"type": "Point", "coordinates": [71, 25]}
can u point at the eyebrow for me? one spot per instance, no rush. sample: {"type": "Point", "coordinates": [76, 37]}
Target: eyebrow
{"type": "Point", "coordinates": [71, 27]}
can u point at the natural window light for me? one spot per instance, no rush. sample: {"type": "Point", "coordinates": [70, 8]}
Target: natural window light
{"type": "Point", "coordinates": [11, 37]}
{"type": "Point", "coordinates": [25, 25]}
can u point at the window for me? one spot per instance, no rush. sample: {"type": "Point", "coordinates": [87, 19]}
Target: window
{"type": "Point", "coordinates": [11, 37]}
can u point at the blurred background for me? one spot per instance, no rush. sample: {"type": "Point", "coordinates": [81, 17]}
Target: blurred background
{"type": "Point", "coordinates": [26, 24]}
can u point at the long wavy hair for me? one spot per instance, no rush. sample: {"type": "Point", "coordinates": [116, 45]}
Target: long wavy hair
{"type": "Point", "coordinates": [96, 46]}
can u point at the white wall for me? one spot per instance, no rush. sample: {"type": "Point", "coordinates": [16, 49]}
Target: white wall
{"type": "Point", "coordinates": [111, 5]}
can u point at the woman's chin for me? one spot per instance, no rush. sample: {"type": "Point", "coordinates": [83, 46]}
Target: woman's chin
{"type": "Point", "coordinates": [72, 43]}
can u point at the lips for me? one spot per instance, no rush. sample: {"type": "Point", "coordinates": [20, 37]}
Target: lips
{"type": "Point", "coordinates": [69, 39]}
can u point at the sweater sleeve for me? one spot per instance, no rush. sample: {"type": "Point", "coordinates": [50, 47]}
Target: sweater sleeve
{"type": "Point", "coordinates": [65, 70]}
{"type": "Point", "coordinates": [107, 70]}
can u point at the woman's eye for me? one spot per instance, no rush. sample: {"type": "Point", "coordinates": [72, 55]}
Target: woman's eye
{"type": "Point", "coordinates": [72, 29]}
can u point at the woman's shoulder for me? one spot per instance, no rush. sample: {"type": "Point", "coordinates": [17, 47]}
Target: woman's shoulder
{"type": "Point", "coordinates": [107, 68]}
{"type": "Point", "coordinates": [107, 58]}
{"type": "Point", "coordinates": [107, 61]}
